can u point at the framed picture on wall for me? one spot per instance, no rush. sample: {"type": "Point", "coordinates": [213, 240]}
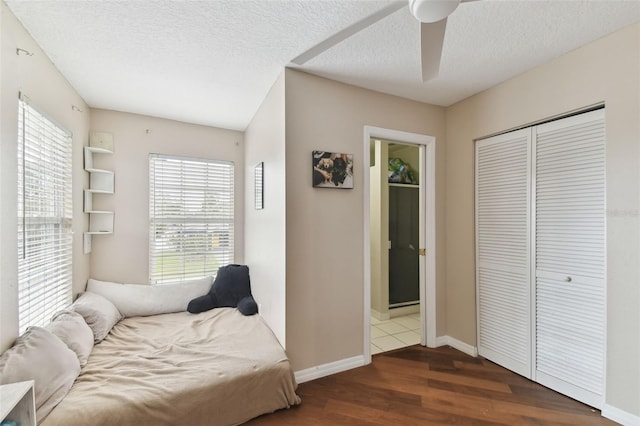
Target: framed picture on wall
{"type": "Point", "coordinates": [332, 170]}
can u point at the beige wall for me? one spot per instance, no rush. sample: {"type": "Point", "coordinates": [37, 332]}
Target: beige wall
{"type": "Point", "coordinates": [607, 71]}
{"type": "Point", "coordinates": [124, 255]}
{"type": "Point", "coordinates": [37, 78]}
{"type": "Point", "coordinates": [265, 229]}
{"type": "Point", "coordinates": [325, 229]}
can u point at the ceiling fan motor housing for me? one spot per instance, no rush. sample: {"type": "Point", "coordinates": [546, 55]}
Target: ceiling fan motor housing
{"type": "Point", "coordinates": [429, 11]}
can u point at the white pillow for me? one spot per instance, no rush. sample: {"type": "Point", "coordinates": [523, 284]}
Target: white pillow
{"type": "Point", "coordinates": [40, 356]}
{"type": "Point", "coordinates": [71, 328]}
{"type": "Point", "coordinates": [140, 300]}
{"type": "Point", "coordinates": [98, 312]}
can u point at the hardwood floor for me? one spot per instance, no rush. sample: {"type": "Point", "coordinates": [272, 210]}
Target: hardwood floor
{"type": "Point", "coordinates": [421, 386]}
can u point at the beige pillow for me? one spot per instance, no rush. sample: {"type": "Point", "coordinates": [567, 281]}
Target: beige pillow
{"type": "Point", "coordinates": [40, 356]}
{"type": "Point", "coordinates": [71, 328]}
{"type": "Point", "coordinates": [139, 300]}
{"type": "Point", "coordinates": [99, 314]}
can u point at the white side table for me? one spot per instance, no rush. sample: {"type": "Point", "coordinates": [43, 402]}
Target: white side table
{"type": "Point", "coordinates": [17, 403]}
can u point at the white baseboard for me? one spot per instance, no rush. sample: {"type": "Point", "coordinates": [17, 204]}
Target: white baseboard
{"type": "Point", "coordinates": [404, 310]}
{"type": "Point", "coordinates": [328, 369]}
{"type": "Point", "coordinates": [457, 344]}
{"type": "Point", "coordinates": [620, 416]}
{"type": "Point", "coordinates": [442, 341]}
{"type": "Point", "coordinates": [380, 316]}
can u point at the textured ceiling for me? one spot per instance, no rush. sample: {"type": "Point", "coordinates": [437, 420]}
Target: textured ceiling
{"type": "Point", "coordinates": [213, 62]}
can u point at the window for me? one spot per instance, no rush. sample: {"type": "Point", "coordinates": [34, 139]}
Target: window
{"type": "Point", "coordinates": [190, 217]}
{"type": "Point", "coordinates": [44, 217]}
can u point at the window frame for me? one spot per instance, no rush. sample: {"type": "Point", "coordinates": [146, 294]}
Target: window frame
{"type": "Point", "coordinates": [194, 188]}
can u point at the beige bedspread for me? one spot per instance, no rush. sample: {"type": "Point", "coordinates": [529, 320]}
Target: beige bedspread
{"type": "Point", "coordinates": [214, 368]}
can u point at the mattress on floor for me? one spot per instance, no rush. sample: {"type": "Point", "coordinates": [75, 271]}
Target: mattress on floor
{"type": "Point", "coordinates": [214, 368]}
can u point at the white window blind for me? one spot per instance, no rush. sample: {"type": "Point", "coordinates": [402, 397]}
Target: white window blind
{"type": "Point", "coordinates": [44, 217]}
{"type": "Point", "coordinates": [191, 209]}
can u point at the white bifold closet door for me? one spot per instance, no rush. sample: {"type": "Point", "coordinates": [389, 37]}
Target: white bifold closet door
{"type": "Point", "coordinates": [540, 253]}
{"type": "Point", "coordinates": [503, 182]}
{"type": "Point", "coordinates": [570, 256]}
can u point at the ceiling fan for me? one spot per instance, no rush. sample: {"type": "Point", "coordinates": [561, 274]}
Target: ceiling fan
{"type": "Point", "coordinates": [432, 15]}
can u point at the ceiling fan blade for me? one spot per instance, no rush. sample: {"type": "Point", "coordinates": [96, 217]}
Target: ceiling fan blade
{"type": "Point", "coordinates": [431, 41]}
{"type": "Point", "coordinates": [347, 32]}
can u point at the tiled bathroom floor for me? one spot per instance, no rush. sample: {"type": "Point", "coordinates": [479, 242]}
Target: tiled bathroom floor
{"type": "Point", "coordinates": [398, 332]}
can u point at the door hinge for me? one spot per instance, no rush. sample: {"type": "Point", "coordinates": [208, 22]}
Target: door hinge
{"type": "Point", "coordinates": [422, 252]}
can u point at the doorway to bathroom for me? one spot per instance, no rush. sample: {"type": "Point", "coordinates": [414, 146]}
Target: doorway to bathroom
{"type": "Point", "coordinates": [399, 240]}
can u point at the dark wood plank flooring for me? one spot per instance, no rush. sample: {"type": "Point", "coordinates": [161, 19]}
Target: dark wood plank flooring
{"type": "Point", "coordinates": [422, 386]}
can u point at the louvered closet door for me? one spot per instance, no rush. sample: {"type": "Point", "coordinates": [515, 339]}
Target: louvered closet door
{"type": "Point", "coordinates": [570, 256]}
{"type": "Point", "coordinates": [502, 250]}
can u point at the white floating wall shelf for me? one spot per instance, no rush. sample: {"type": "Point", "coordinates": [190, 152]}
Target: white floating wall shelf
{"type": "Point", "coordinates": [100, 182]}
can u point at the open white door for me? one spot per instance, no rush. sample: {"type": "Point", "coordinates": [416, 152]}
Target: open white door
{"type": "Point", "coordinates": [426, 231]}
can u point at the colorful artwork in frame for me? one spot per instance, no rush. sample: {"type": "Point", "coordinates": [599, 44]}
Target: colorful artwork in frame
{"type": "Point", "coordinates": [332, 170]}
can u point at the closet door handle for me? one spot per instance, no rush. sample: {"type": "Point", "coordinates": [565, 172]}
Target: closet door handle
{"type": "Point", "coordinates": [567, 279]}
